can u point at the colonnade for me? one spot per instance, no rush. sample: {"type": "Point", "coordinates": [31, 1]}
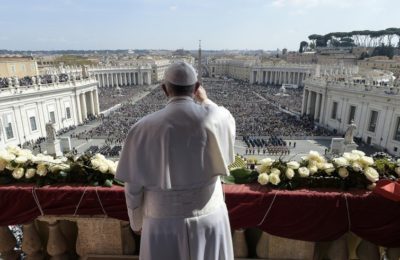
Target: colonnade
{"type": "Point", "coordinates": [87, 103]}
{"type": "Point", "coordinates": [313, 104]}
{"type": "Point", "coordinates": [279, 77]}
{"type": "Point", "coordinates": [125, 78]}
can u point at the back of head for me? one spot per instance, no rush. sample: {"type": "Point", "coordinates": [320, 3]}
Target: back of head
{"type": "Point", "coordinates": [180, 77]}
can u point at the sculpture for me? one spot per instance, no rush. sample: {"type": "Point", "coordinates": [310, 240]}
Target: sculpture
{"type": "Point", "coordinates": [348, 136]}
{"type": "Point", "coordinates": [50, 131]}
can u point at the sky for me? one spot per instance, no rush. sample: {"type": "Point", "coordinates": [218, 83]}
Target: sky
{"type": "Point", "coordinates": [165, 24]}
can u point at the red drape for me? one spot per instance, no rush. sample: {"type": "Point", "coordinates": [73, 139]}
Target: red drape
{"type": "Point", "coordinates": [312, 215]}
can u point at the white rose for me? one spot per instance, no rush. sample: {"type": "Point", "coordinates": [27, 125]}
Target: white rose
{"type": "Point", "coordinates": [30, 173]}
{"type": "Point", "coordinates": [304, 172]}
{"type": "Point", "coordinates": [99, 156]}
{"type": "Point", "coordinates": [113, 170]}
{"type": "Point", "coordinates": [320, 165]}
{"type": "Point", "coordinates": [289, 173]}
{"type": "Point", "coordinates": [18, 173]}
{"type": "Point", "coordinates": [313, 169]}
{"type": "Point", "coordinates": [358, 152]}
{"type": "Point", "coordinates": [7, 156]}
{"type": "Point", "coordinates": [366, 161]}
{"type": "Point", "coordinates": [397, 170]}
{"type": "Point", "coordinates": [351, 156]}
{"type": "Point", "coordinates": [9, 166]}
{"type": "Point", "coordinates": [266, 161]}
{"type": "Point", "coordinates": [13, 149]}
{"type": "Point", "coordinates": [263, 179]}
{"type": "Point", "coordinates": [343, 172]}
{"type": "Point", "coordinates": [315, 156]}
{"type": "Point", "coordinates": [275, 171]}
{"type": "Point", "coordinates": [398, 162]}
{"type": "Point", "coordinates": [41, 169]}
{"type": "Point", "coordinates": [21, 159]}
{"type": "Point", "coordinates": [103, 168]}
{"type": "Point", "coordinates": [262, 168]}
{"type": "Point", "coordinates": [356, 167]}
{"type": "Point", "coordinates": [274, 179]}
{"type": "Point", "coordinates": [341, 162]}
{"type": "Point", "coordinates": [96, 163]}
{"type": "Point", "coordinates": [293, 165]}
{"type": "Point", "coordinates": [3, 164]}
{"type": "Point", "coordinates": [371, 174]}
{"type": "Point", "coordinates": [329, 168]}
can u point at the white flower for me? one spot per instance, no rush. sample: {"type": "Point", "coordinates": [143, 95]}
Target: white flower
{"type": "Point", "coordinates": [262, 168]}
{"type": "Point", "coordinates": [275, 171]}
{"type": "Point", "coordinates": [343, 172]}
{"type": "Point", "coordinates": [313, 169]}
{"type": "Point", "coordinates": [397, 170]}
{"type": "Point", "coordinates": [99, 156]}
{"type": "Point", "coordinates": [398, 162]}
{"type": "Point", "coordinates": [59, 167]}
{"type": "Point", "coordinates": [315, 156]}
{"type": "Point", "coordinates": [18, 173]}
{"type": "Point", "coordinates": [13, 149]}
{"type": "Point", "coordinates": [356, 167]}
{"type": "Point", "coordinates": [293, 165]}
{"type": "Point", "coordinates": [96, 163]}
{"type": "Point", "coordinates": [366, 161]}
{"type": "Point", "coordinates": [351, 156]}
{"type": "Point", "coordinates": [21, 159]}
{"type": "Point", "coordinates": [320, 165]}
{"type": "Point", "coordinates": [9, 166]}
{"type": "Point", "coordinates": [7, 156]}
{"type": "Point", "coordinates": [371, 174]}
{"type": "Point", "coordinates": [358, 152]}
{"type": "Point", "coordinates": [103, 168]}
{"type": "Point", "coordinates": [263, 179]}
{"type": "Point", "coordinates": [341, 162]}
{"type": "Point", "coordinates": [329, 168]}
{"type": "Point", "coordinates": [266, 161]}
{"type": "Point", "coordinates": [274, 179]}
{"type": "Point", "coordinates": [113, 170]}
{"type": "Point", "coordinates": [30, 173]}
{"type": "Point", "coordinates": [41, 169]}
{"type": "Point", "coordinates": [3, 164]}
{"type": "Point", "coordinates": [289, 173]}
{"type": "Point", "coordinates": [304, 172]}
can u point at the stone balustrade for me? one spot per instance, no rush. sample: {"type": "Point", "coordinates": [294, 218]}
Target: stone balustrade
{"type": "Point", "coordinates": [98, 237]}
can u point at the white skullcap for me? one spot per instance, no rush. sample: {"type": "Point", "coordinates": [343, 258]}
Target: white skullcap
{"type": "Point", "coordinates": [180, 74]}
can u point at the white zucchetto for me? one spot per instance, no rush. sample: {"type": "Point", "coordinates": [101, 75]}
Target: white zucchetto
{"type": "Point", "coordinates": [180, 74]}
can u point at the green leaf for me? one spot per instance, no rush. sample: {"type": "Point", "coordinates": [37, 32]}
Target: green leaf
{"type": "Point", "coordinates": [228, 179]}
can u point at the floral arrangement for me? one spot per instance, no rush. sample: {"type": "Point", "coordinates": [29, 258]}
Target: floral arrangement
{"type": "Point", "coordinates": [21, 165]}
{"type": "Point", "coordinates": [353, 169]}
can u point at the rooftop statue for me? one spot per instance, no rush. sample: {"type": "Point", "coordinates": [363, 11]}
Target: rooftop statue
{"type": "Point", "coordinates": [348, 137]}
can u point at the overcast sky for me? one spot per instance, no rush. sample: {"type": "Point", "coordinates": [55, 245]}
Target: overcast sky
{"type": "Point", "coordinates": [165, 24]}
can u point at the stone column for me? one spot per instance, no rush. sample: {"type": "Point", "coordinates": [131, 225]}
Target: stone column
{"type": "Point", "coordinates": [304, 103]}
{"type": "Point", "coordinates": [91, 98]}
{"type": "Point", "coordinates": [148, 78]}
{"type": "Point", "coordinates": [120, 79]}
{"type": "Point", "coordinates": [96, 102]}
{"type": "Point", "coordinates": [309, 102]}
{"type": "Point", "coordinates": [112, 80]}
{"type": "Point", "coordinates": [322, 108]}
{"type": "Point", "coordinates": [31, 244]}
{"type": "Point", "coordinates": [317, 107]}
{"type": "Point", "coordinates": [140, 78]}
{"type": "Point", "coordinates": [107, 80]}
{"type": "Point", "coordinates": [78, 109]}
{"type": "Point", "coordinates": [83, 106]}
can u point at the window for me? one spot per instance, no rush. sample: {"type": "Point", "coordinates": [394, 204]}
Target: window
{"type": "Point", "coordinates": [52, 117]}
{"type": "Point", "coordinates": [68, 112]}
{"type": "Point", "coordinates": [32, 120]}
{"type": "Point", "coordinates": [9, 131]}
{"type": "Point", "coordinates": [397, 130]}
{"type": "Point", "coordinates": [372, 121]}
{"type": "Point", "coordinates": [352, 114]}
{"type": "Point", "coordinates": [23, 67]}
{"type": "Point", "coordinates": [334, 110]}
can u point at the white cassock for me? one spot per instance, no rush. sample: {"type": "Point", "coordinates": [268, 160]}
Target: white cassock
{"type": "Point", "coordinates": [171, 162]}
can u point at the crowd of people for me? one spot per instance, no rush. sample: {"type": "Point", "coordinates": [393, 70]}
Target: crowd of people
{"type": "Point", "coordinates": [106, 150]}
{"type": "Point", "coordinates": [255, 108]}
{"type": "Point", "coordinates": [273, 145]}
{"type": "Point", "coordinates": [109, 97]}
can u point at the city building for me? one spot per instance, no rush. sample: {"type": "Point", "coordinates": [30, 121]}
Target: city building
{"type": "Point", "coordinates": [382, 63]}
{"type": "Point", "coordinates": [25, 110]}
{"type": "Point", "coordinates": [369, 98]}
{"type": "Point", "coordinates": [17, 67]}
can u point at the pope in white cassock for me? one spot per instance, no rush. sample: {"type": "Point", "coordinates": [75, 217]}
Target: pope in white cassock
{"type": "Point", "coordinates": [171, 162]}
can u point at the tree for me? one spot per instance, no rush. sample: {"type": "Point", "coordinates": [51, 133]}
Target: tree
{"type": "Point", "coordinates": [303, 45]}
